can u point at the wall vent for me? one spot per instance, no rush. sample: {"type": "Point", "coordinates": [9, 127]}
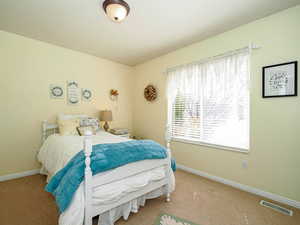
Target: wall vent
{"type": "Point", "coordinates": [276, 207]}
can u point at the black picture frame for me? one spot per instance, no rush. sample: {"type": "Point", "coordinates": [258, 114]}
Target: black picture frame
{"type": "Point", "coordinates": [295, 93]}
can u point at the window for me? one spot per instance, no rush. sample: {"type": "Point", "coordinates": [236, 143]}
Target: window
{"type": "Point", "coordinates": [208, 102]}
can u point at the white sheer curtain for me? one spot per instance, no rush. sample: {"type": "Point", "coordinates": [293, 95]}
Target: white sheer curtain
{"type": "Point", "coordinates": [208, 101]}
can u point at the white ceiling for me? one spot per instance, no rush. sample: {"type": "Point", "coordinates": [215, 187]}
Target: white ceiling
{"type": "Point", "coordinates": [153, 27]}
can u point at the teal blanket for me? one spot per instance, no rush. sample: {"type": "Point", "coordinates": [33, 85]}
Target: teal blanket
{"type": "Point", "coordinates": [104, 157]}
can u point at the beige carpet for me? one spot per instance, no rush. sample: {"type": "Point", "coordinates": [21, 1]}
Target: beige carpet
{"type": "Point", "coordinates": [24, 202]}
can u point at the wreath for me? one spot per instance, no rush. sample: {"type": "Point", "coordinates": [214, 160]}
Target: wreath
{"type": "Point", "coordinates": [150, 93]}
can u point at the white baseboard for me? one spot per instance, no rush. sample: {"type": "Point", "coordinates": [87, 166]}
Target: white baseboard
{"type": "Point", "coordinates": [18, 175]}
{"type": "Point", "coordinates": [243, 187]}
{"type": "Point", "coordinates": [234, 184]}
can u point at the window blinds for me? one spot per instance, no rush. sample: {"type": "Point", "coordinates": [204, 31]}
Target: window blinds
{"type": "Point", "coordinates": [208, 101]}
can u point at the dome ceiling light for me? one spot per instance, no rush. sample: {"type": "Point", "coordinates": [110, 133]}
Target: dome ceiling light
{"type": "Point", "coordinates": [116, 10]}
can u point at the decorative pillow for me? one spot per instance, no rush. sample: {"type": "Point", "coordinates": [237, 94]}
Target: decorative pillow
{"type": "Point", "coordinates": [62, 116]}
{"type": "Point", "coordinates": [68, 127]}
{"type": "Point", "coordinates": [93, 122]}
{"type": "Point", "coordinates": [82, 130]}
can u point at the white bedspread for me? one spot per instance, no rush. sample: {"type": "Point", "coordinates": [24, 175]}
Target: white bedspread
{"type": "Point", "coordinates": [58, 150]}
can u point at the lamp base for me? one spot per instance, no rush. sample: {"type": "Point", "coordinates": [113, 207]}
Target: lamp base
{"type": "Point", "coordinates": [106, 126]}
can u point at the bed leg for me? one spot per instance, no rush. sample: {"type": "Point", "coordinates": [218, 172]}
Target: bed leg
{"type": "Point", "coordinates": [168, 199]}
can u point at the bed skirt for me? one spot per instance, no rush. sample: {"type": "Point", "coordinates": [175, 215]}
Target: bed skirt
{"type": "Point", "coordinates": [75, 213]}
{"type": "Point", "coordinates": [111, 216]}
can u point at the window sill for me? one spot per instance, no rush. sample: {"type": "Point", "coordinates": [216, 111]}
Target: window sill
{"type": "Point", "coordinates": [187, 141]}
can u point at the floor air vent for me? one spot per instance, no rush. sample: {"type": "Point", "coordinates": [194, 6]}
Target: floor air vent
{"type": "Point", "coordinates": [276, 207]}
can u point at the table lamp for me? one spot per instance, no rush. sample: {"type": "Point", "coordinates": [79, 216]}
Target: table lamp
{"type": "Point", "coordinates": [106, 115]}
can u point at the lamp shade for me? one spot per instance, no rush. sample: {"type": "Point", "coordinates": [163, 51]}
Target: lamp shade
{"type": "Point", "coordinates": [116, 10]}
{"type": "Point", "coordinates": [106, 115]}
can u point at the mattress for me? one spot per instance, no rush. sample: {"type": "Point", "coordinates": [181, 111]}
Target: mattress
{"type": "Point", "coordinates": [109, 193]}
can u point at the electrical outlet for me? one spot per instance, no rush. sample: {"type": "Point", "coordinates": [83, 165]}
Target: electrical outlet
{"type": "Point", "coordinates": [245, 164]}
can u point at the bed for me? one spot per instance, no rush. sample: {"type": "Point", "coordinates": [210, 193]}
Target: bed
{"type": "Point", "coordinates": [111, 194]}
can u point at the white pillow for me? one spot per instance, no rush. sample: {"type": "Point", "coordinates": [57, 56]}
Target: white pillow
{"type": "Point", "coordinates": [62, 116]}
{"type": "Point", "coordinates": [90, 121]}
{"type": "Point", "coordinates": [68, 127]}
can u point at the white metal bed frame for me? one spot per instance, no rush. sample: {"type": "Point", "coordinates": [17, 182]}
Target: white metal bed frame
{"type": "Point", "coordinates": [90, 210]}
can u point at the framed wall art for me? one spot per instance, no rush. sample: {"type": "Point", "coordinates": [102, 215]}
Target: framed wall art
{"type": "Point", "coordinates": [86, 94]}
{"type": "Point", "coordinates": [56, 91]}
{"type": "Point", "coordinates": [73, 92]}
{"type": "Point", "coordinates": [280, 80]}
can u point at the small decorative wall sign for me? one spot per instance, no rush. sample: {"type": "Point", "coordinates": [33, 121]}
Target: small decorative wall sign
{"type": "Point", "coordinates": [150, 93]}
{"type": "Point", "coordinates": [56, 91]}
{"type": "Point", "coordinates": [73, 92]}
{"type": "Point", "coordinates": [86, 94]}
{"type": "Point", "coordinates": [114, 94]}
{"type": "Point", "coordinates": [280, 80]}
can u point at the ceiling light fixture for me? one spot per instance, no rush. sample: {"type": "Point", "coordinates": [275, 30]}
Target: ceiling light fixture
{"type": "Point", "coordinates": [116, 10]}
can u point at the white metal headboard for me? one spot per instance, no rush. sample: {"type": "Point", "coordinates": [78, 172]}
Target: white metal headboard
{"type": "Point", "coordinates": [48, 129]}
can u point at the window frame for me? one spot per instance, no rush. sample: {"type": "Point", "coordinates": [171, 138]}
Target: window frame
{"type": "Point", "coordinates": [209, 145]}
{"type": "Point", "coordinates": [217, 146]}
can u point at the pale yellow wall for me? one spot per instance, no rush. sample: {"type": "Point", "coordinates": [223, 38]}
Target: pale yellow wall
{"type": "Point", "coordinates": [27, 68]}
{"type": "Point", "coordinates": [274, 158]}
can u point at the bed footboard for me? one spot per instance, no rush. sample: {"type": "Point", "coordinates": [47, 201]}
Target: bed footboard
{"type": "Point", "coordinates": [168, 140]}
{"type": "Point", "coordinates": [88, 179]}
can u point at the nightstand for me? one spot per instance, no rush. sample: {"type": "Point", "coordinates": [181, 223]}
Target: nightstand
{"type": "Point", "coordinates": [137, 138]}
{"type": "Point", "coordinates": [121, 135]}
{"type": "Point", "coordinates": [123, 132]}
{"type": "Point", "coordinates": [124, 135]}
